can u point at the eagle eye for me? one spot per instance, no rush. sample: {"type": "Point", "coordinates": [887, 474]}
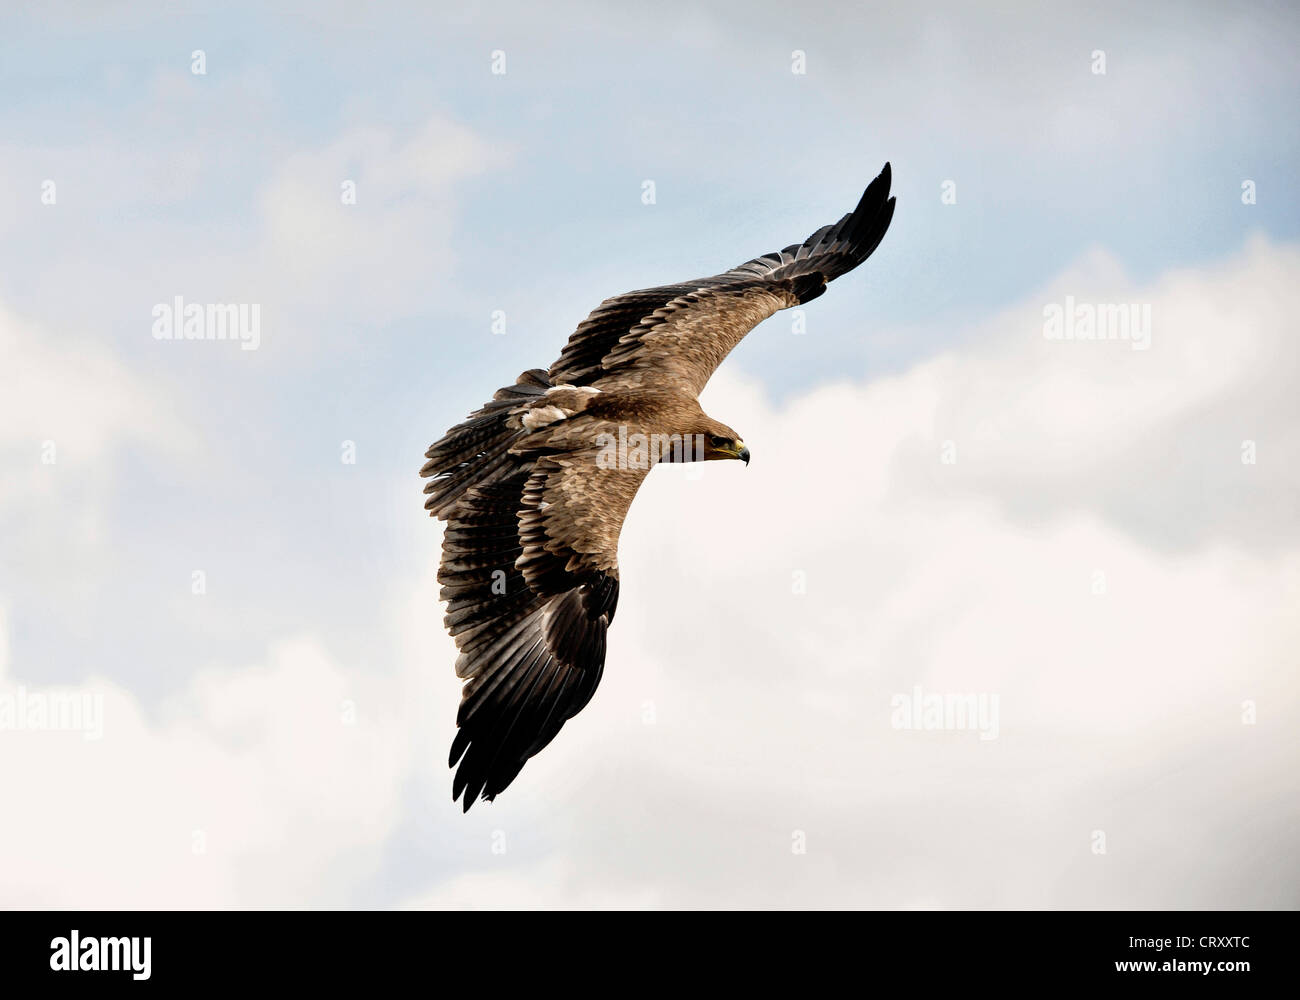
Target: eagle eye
{"type": "Point", "coordinates": [716, 441]}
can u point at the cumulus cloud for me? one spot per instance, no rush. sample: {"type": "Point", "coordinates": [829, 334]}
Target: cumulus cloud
{"type": "Point", "coordinates": [69, 411]}
{"type": "Point", "coordinates": [274, 784]}
{"type": "Point", "coordinates": [75, 392]}
{"type": "Point", "coordinates": [978, 525]}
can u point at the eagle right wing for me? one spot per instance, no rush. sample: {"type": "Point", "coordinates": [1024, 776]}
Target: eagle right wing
{"type": "Point", "coordinates": [675, 336]}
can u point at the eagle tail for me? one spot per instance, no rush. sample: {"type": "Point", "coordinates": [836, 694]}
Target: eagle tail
{"type": "Point", "coordinates": [477, 451]}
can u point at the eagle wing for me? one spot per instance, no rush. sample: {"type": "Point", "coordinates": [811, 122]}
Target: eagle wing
{"type": "Point", "coordinates": [675, 336]}
{"type": "Point", "coordinates": [530, 575]}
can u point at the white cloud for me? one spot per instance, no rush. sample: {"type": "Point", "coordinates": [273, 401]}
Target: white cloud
{"type": "Point", "coordinates": [1151, 439]}
{"type": "Point", "coordinates": [270, 785]}
{"type": "Point", "coordinates": [75, 392]}
{"type": "Point", "coordinates": [69, 408]}
{"type": "Point", "coordinates": [1120, 711]}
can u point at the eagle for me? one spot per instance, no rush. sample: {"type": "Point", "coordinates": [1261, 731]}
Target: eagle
{"type": "Point", "coordinates": [534, 486]}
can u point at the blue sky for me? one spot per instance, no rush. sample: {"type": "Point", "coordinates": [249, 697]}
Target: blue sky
{"type": "Point", "coordinates": [522, 192]}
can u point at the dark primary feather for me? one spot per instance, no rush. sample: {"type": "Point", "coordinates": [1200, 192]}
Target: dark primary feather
{"type": "Point", "coordinates": [832, 250]}
{"type": "Point", "coordinates": [530, 661]}
{"type": "Point", "coordinates": [540, 675]}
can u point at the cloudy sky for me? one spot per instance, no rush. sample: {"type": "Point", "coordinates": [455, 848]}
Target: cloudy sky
{"type": "Point", "coordinates": [215, 563]}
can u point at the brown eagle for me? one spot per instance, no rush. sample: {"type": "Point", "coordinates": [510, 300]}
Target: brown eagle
{"type": "Point", "coordinates": [534, 486]}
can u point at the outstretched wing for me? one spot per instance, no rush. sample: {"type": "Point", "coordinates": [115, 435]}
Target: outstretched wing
{"type": "Point", "coordinates": [530, 576]}
{"type": "Point", "coordinates": [677, 335]}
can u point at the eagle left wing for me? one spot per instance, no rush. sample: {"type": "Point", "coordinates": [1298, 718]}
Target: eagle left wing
{"type": "Point", "coordinates": [530, 575]}
{"type": "Point", "coordinates": [677, 335]}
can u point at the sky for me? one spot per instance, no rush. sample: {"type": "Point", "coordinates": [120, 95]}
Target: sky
{"type": "Point", "coordinates": [219, 555]}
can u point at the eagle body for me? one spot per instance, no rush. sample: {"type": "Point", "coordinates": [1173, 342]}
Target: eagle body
{"type": "Point", "coordinates": [534, 486]}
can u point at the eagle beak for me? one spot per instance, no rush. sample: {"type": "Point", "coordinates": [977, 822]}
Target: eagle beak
{"type": "Point", "coordinates": [733, 449]}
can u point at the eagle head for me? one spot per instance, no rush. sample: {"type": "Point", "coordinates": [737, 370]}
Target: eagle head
{"type": "Point", "coordinates": [721, 442]}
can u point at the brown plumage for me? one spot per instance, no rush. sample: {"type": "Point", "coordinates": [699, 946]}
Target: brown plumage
{"type": "Point", "coordinates": [534, 485]}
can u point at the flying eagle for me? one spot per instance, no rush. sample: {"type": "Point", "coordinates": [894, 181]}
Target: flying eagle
{"type": "Point", "coordinates": [534, 486]}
